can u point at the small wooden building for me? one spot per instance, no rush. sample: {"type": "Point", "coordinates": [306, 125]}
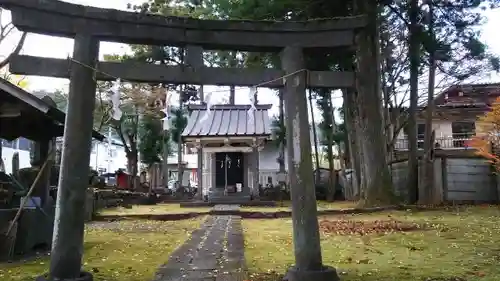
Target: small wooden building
{"type": "Point", "coordinates": [25, 115]}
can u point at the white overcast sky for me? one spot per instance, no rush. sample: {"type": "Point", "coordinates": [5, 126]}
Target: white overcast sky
{"type": "Point", "coordinates": [54, 47]}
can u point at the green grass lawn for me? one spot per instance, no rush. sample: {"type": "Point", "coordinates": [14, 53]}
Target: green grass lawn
{"type": "Point", "coordinates": [117, 251]}
{"type": "Point", "coordinates": [286, 206]}
{"type": "Point", "coordinates": [166, 208]}
{"type": "Point", "coordinates": [463, 244]}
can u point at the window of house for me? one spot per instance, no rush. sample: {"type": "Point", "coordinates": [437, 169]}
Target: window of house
{"type": "Point", "coordinates": [112, 153]}
{"type": "Point", "coordinates": [463, 129]}
{"type": "Point", "coordinates": [461, 132]}
{"type": "Point", "coordinates": [420, 131]}
{"type": "Point", "coordinates": [420, 135]}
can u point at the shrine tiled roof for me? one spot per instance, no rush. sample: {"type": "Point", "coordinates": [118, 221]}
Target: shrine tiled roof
{"type": "Point", "coordinates": [227, 120]}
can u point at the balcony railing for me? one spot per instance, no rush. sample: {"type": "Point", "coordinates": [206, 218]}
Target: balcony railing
{"type": "Point", "coordinates": [455, 142]}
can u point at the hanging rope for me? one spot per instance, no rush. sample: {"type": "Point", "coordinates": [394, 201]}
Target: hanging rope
{"type": "Point", "coordinates": [116, 94]}
{"type": "Point", "coordinates": [262, 84]}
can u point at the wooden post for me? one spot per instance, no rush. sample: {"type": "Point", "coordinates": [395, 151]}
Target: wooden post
{"type": "Point", "coordinates": [199, 170]}
{"type": "Point", "coordinates": [67, 246]}
{"type": "Point", "coordinates": [40, 154]}
{"type": "Point", "coordinates": [494, 184]}
{"type": "Point", "coordinates": [2, 164]}
{"type": "Point", "coordinates": [255, 170]}
{"type": "Point", "coordinates": [444, 177]}
{"type": "Point", "coordinates": [306, 240]}
{"type": "Point", "coordinates": [194, 58]}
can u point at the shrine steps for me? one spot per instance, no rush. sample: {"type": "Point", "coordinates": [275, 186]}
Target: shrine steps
{"type": "Point", "coordinates": [233, 202]}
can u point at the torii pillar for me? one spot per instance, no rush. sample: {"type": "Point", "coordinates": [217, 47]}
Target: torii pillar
{"type": "Point", "coordinates": [69, 223]}
{"type": "Point", "coordinates": [194, 58]}
{"type": "Point", "coordinates": [306, 240]}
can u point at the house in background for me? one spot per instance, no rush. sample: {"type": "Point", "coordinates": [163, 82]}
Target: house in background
{"type": "Point", "coordinates": [101, 158]}
{"type": "Point", "coordinates": [22, 146]}
{"type": "Point", "coordinates": [107, 157]}
{"type": "Point", "coordinates": [455, 117]}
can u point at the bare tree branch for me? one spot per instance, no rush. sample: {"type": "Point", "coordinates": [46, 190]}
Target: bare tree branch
{"type": "Point", "coordinates": [15, 52]}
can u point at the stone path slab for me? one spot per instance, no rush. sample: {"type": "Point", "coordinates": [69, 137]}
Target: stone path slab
{"type": "Point", "coordinates": [214, 252]}
{"type": "Point", "coordinates": [226, 208]}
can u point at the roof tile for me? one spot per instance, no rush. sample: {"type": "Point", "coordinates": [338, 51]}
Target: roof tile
{"type": "Point", "coordinates": [227, 120]}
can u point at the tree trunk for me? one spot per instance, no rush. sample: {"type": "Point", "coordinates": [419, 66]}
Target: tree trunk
{"type": "Point", "coordinates": [355, 153]}
{"type": "Point", "coordinates": [387, 118]}
{"type": "Point", "coordinates": [315, 138]}
{"type": "Point", "coordinates": [231, 95]}
{"type": "Point", "coordinates": [194, 57]}
{"type": "Point", "coordinates": [180, 166]}
{"type": "Point", "coordinates": [361, 154]}
{"type": "Point", "coordinates": [379, 190]}
{"type": "Point", "coordinates": [347, 152]}
{"type": "Point", "coordinates": [429, 194]}
{"type": "Point", "coordinates": [165, 151]}
{"type": "Point", "coordinates": [335, 130]}
{"type": "Point", "coordinates": [139, 113]}
{"type": "Point", "coordinates": [281, 163]}
{"type": "Point", "coordinates": [282, 125]}
{"type": "Point", "coordinates": [131, 153]}
{"type": "Point", "coordinates": [329, 150]}
{"type": "Point", "coordinates": [232, 88]}
{"type": "Point", "coordinates": [414, 54]}
{"type": "Point", "coordinates": [132, 161]}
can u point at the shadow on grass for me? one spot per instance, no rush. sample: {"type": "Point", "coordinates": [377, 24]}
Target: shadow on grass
{"type": "Point", "coordinates": [40, 252]}
{"type": "Point", "coordinates": [45, 275]}
{"type": "Point", "coordinates": [354, 276]}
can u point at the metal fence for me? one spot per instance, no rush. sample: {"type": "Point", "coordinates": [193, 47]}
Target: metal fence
{"type": "Point", "coordinates": [455, 142]}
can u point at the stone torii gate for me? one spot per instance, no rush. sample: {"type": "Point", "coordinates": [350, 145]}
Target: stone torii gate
{"type": "Point", "coordinates": [88, 26]}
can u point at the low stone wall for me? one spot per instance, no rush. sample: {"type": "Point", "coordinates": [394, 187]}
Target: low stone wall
{"type": "Point", "coordinates": [98, 199]}
{"type": "Point", "coordinates": [250, 214]}
{"type": "Point", "coordinates": [90, 205]}
{"type": "Point", "coordinates": [240, 202]}
{"type": "Point", "coordinates": [94, 201]}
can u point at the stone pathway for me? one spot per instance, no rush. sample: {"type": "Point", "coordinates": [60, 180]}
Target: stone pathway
{"type": "Point", "coordinates": [226, 208]}
{"type": "Point", "coordinates": [215, 252]}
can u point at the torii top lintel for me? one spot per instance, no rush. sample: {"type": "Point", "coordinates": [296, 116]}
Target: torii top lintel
{"type": "Point", "coordinates": [65, 19]}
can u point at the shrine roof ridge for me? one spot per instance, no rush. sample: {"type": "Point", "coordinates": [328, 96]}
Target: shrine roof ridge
{"type": "Point", "coordinates": [229, 107]}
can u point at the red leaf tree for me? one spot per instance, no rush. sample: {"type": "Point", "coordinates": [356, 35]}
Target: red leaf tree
{"type": "Point", "coordinates": [487, 139]}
